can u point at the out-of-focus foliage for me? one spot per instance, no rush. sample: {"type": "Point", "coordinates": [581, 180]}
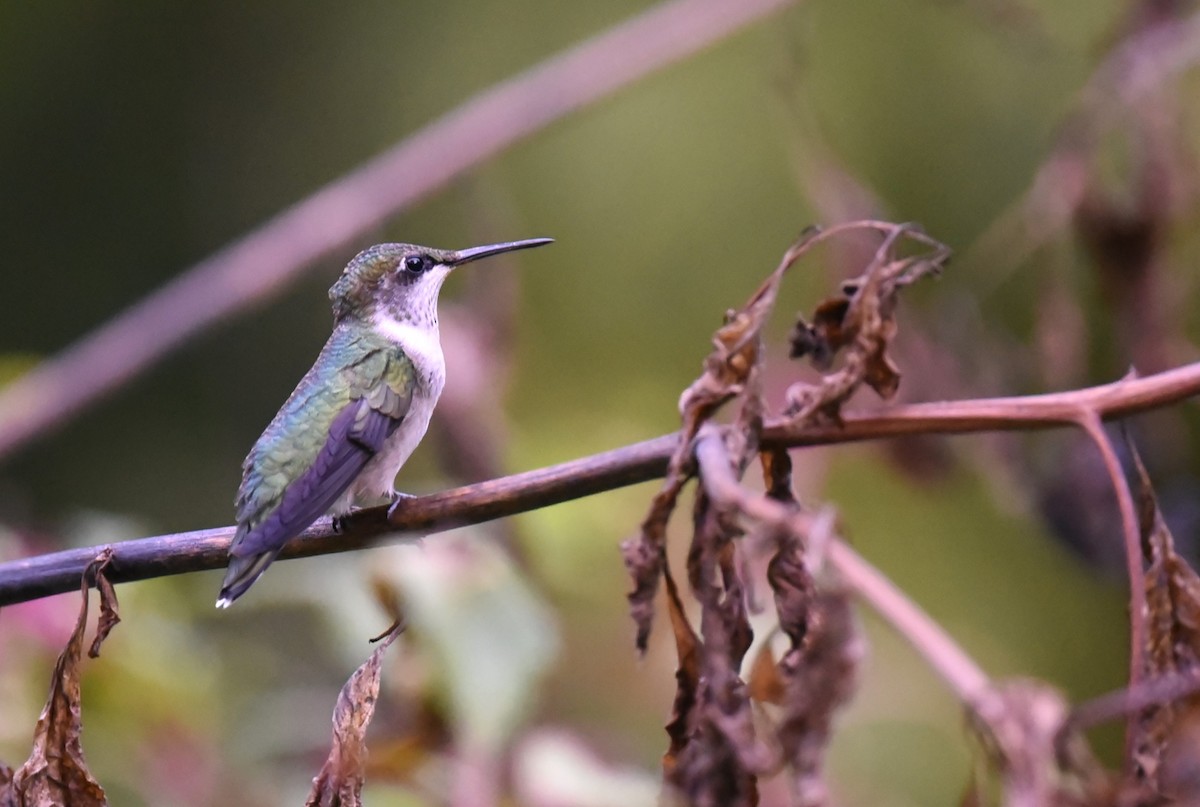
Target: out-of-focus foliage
{"type": "Point", "coordinates": [139, 138]}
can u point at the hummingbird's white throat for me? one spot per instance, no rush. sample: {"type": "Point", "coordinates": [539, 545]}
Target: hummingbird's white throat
{"type": "Point", "coordinates": [421, 343]}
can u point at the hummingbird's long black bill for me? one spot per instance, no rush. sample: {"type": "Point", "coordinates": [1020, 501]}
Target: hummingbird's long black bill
{"type": "Point", "coordinates": [475, 253]}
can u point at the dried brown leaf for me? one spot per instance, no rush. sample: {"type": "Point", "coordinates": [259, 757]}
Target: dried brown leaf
{"type": "Point", "coordinates": [819, 677]}
{"type": "Point", "coordinates": [1173, 618]}
{"type": "Point", "coordinates": [645, 554]}
{"type": "Point", "coordinates": [683, 719]}
{"type": "Point", "coordinates": [340, 782]}
{"type": "Point", "coordinates": [881, 373]}
{"type": "Point", "coordinates": [735, 353]}
{"type": "Point", "coordinates": [644, 560]}
{"type": "Point", "coordinates": [861, 325]}
{"type": "Point", "coordinates": [109, 611]}
{"type": "Point", "coordinates": [56, 772]}
{"type": "Point", "coordinates": [794, 591]}
{"type": "Point", "coordinates": [717, 759]}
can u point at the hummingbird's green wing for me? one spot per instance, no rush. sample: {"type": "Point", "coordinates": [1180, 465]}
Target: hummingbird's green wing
{"type": "Point", "coordinates": [318, 443]}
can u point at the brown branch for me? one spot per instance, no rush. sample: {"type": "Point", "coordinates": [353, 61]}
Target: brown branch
{"type": "Point", "coordinates": [144, 558]}
{"type": "Point", "coordinates": [953, 665]}
{"type": "Point", "coordinates": [261, 264]}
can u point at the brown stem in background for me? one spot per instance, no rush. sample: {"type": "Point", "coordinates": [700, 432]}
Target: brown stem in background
{"type": "Point", "coordinates": [260, 265]}
{"type": "Point", "coordinates": [1131, 531]}
{"type": "Point", "coordinates": [968, 680]}
{"type": "Point", "coordinates": [145, 558]}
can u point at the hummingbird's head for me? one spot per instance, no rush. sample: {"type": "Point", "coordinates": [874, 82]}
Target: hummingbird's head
{"type": "Point", "coordinates": [402, 281]}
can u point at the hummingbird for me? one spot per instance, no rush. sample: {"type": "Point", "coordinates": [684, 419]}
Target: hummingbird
{"type": "Point", "coordinates": [357, 415]}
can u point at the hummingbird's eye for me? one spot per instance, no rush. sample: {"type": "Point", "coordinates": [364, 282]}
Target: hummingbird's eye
{"type": "Point", "coordinates": [416, 264]}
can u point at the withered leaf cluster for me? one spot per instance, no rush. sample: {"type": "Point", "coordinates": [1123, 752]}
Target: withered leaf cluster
{"type": "Point", "coordinates": [725, 733]}
{"type": "Point", "coordinates": [858, 325]}
{"type": "Point", "coordinates": [57, 775]}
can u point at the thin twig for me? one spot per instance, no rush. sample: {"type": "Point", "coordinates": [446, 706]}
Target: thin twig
{"type": "Point", "coordinates": [953, 665]}
{"type": "Point", "coordinates": [1132, 701]}
{"type": "Point", "coordinates": [1138, 630]}
{"type": "Point", "coordinates": [144, 558]}
{"type": "Point", "coordinates": [261, 264]}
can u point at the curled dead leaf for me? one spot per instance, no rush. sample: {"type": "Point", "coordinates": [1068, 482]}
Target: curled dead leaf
{"type": "Point", "coordinates": [1172, 631]}
{"type": "Point", "coordinates": [682, 722]}
{"type": "Point", "coordinates": [860, 324]}
{"type": "Point", "coordinates": [644, 560]}
{"type": "Point", "coordinates": [56, 772]}
{"type": "Point", "coordinates": [109, 611]}
{"type": "Point", "coordinates": [819, 677]}
{"type": "Point", "coordinates": [340, 781]}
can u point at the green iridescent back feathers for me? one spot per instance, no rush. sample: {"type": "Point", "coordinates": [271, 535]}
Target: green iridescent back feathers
{"type": "Point", "coordinates": [382, 374]}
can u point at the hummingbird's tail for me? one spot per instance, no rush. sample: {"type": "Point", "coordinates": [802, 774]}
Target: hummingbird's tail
{"type": "Point", "coordinates": [241, 575]}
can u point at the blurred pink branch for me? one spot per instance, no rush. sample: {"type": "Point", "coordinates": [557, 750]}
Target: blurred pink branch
{"type": "Point", "coordinates": [251, 270]}
{"type": "Point", "coordinates": [28, 579]}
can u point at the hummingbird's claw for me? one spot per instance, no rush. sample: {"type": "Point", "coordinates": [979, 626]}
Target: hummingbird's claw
{"type": "Point", "coordinates": [396, 497]}
{"type": "Point", "coordinates": [338, 522]}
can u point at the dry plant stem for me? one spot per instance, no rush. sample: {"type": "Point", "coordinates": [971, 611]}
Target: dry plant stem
{"type": "Point", "coordinates": [963, 675]}
{"type": "Point", "coordinates": [951, 662]}
{"type": "Point", "coordinates": [1131, 701]}
{"type": "Point", "coordinates": [259, 266]}
{"type": "Point", "coordinates": [1090, 422]}
{"type": "Point", "coordinates": [144, 558]}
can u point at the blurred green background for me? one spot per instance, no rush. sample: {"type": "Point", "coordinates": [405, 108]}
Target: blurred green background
{"type": "Point", "coordinates": [137, 139]}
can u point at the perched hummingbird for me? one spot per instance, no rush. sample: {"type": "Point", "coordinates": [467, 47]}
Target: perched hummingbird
{"type": "Point", "coordinates": [357, 415]}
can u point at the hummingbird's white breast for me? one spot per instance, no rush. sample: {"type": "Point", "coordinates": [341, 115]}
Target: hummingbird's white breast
{"type": "Point", "coordinates": [423, 347]}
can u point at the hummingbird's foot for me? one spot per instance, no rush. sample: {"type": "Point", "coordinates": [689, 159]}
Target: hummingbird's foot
{"type": "Point", "coordinates": [395, 497]}
{"type": "Point", "coordinates": [338, 522]}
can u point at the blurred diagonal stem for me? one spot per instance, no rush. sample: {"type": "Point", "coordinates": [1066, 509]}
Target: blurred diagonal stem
{"type": "Point", "coordinates": [57, 572]}
{"type": "Point", "coordinates": [260, 265]}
